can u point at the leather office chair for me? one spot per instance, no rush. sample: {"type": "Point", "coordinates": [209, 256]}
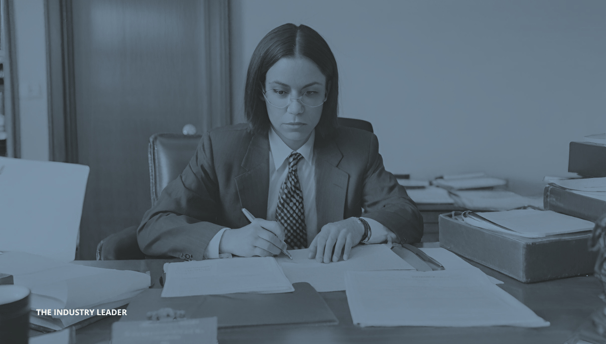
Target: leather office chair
{"type": "Point", "coordinates": [168, 155]}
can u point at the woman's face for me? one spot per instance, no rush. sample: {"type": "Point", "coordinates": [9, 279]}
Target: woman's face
{"type": "Point", "coordinates": [289, 79]}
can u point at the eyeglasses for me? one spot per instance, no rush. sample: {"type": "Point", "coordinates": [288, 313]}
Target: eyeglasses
{"type": "Point", "coordinates": [281, 99]}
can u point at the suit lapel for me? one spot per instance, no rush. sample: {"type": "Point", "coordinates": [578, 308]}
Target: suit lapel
{"type": "Point", "coordinates": [253, 183]}
{"type": "Point", "coordinates": [331, 182]}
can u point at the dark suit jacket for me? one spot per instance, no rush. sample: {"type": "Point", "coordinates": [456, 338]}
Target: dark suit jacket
{"type": "Point", "coordinates": [230, 171]}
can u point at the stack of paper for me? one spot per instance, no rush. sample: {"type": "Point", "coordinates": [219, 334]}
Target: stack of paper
{"type": "Point", "coordinates": [492, 200]}
{"type": "Point", "coordinates": [331, 276]}
{"type": "Point", "coordinates": [64, 286]}
{"type": "Point", "coordinates": [430, 195]}
{"type": "Point", "coordinates": [225, 276]}
{"type": "Point", "coordinates": [529, 223]}
{"type": "Point", "coordinates": [468, 181]}
{"type": "Point", "coordinates": [40, 206]}
{"type": "Point", "coordinates": [456, 298]}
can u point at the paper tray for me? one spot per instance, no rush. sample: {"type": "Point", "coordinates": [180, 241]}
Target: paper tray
{"type": "Point", "coordinates": [525, 259]}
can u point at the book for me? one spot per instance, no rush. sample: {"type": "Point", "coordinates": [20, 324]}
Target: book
{"type": "Point", "coordinates": [585, 205]}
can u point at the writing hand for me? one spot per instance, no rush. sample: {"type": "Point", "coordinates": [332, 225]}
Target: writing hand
{"type": "Point", "coordinates": [260, 238]}
{"type": "Point", "coordinates": [336, 238]}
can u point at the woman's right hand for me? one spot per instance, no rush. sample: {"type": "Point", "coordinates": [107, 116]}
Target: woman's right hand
{"type": "Point", "coordinates": [260, 238]}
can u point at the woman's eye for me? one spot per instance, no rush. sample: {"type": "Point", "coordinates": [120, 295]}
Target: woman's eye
{"type": "Point", "coordinates": [279, 92]}
{"type": "Point", "coordinates": [311, 93]}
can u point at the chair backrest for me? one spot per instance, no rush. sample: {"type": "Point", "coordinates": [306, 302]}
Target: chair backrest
{"type": "Point", "coordinates": [170, 153]}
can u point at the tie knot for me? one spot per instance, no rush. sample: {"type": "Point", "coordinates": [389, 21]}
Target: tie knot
{"type": "Point", "coordinates": [293, 159]}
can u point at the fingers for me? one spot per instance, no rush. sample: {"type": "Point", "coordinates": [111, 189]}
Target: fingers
{"type": "Point", "coordinates": [330, 245]}
{"type": "Point", "coordinates": [320, 243]}
{"type": "Point", "coordinates": [268, 241]}
{"type": "Point", "coordinates": [272, 226]}
{"type": "Point", "coordinates": [312, 249]}
{"type": "Point", "coordinates": [259, 252]}
{"type": "Point", "coordinates": [339, 246]}
{"type": "Point", "coordinates": [348, 245]}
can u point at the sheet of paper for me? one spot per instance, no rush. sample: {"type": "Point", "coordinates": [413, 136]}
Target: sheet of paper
{"type": "Point", "coordinates": [225, 276]}
{"type": "Point", "coordinates": [455, 298]}
{"type": "Point", "coordinates": [481, 223]}
{"type": "Point", "coordinates": [41, 206]}
{"type": "Point", "coordinates": [58, 285]}
{"type": "Point", "coordinates": [430, 195]}
{"type": "Point", "coordinates": [492, 200]}
{"type": "Point", "coordinates": [537, 222]}
{"type": "Point", "coordinates": [582, 184]}
{"type": "Point", "coordinates": [331, 276]}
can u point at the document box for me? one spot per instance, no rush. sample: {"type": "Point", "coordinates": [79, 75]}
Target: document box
{"type": "Point", "coordinates": [527, 260]}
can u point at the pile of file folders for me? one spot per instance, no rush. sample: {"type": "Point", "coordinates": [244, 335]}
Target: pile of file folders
{"type": "Point", "coordinates": [534, 244]}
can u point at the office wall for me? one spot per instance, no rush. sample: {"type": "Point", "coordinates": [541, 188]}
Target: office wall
{"type": "Point", "coordinates": [455, 86]}
{"type": "Point", "coordinates": [30, 45]}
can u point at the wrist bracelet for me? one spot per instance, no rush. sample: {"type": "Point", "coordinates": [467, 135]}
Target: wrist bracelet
{"type": "Point", "coordinates": [367, 231]}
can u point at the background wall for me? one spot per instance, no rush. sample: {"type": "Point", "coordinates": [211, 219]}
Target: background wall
{"type": "Point", "coordinates": [30, 45]}
{"type": "Point", "coordinates": [455, 86]}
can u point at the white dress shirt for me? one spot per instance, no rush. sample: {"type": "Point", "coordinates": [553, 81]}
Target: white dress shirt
{"type": "Point", "coordinates": [278, 170]}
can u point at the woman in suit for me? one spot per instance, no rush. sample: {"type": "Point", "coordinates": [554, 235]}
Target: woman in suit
{"type": "Point", "coordinates": [309, 183]}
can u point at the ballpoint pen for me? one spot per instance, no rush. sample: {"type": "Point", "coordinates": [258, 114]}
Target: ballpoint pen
{"type": "Point", "coordinates": [251, 217]}
{"type": "Point", "coordinates": [423, 255]}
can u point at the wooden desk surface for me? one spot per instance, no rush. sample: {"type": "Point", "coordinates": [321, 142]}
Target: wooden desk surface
{"type": "Point", "coordinates": [565, 303]}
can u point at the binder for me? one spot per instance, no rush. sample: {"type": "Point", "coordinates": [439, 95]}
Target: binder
{"type": "Point", "coordinates": [587, 159]}
{"type": "Point", "coordinates": [572, 203]}
{"type": "Point", "coordinates": [303, 306]}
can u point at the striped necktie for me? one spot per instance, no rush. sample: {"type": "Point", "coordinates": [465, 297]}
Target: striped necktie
{"type": "Point", "coordinates": [290, 211]}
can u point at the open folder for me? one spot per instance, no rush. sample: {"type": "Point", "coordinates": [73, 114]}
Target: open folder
{"type": "Point", "coordinates": [303, 306]}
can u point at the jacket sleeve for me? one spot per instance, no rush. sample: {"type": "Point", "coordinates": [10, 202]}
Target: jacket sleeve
{"type": "Point", "coordinates": [387, 202]}
{"type": "Point", "coordinates": [183, 221]}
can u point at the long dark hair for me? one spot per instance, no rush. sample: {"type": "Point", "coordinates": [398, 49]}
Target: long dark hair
{"type": "Point", "coordinates": [285, 41]}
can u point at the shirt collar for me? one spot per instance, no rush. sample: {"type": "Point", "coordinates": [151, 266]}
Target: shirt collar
{"type": "Point", "coordinates": [280, 151]}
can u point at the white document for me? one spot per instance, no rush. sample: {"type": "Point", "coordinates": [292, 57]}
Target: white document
{"type": "Point", "coordinates": [583, 184]}
{"type": "Point", "coordinates": [597, 195]}
{"type": "Point", "coordinates": [58, 285]}
{"type": "Point", "coordinates": [331, 276]}
{"type": "Point", "coordinates": [225, 276]}
{"type": "Point", "coordinates": [492, 200]}
{"type": "Point", "coordinates": [430, 195]}
{"type": "Point", "coordinates": [454, 298]}
{"type": "Point", "coordinates": [536, 223]}
{"type": "Point", "coordinates": [41, 206]}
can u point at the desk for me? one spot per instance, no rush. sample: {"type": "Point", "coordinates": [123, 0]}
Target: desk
{"type": "Point", "coordinates": [565, 303]}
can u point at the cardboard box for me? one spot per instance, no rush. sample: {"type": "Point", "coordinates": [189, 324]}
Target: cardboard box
{"type": "Point", "coordinates": [587, 159]}
{"type": "Point", "coordinates": [527, 260]}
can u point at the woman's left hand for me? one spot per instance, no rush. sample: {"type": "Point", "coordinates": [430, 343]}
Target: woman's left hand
{"type": "Point", "coordinates": [336, 239]}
